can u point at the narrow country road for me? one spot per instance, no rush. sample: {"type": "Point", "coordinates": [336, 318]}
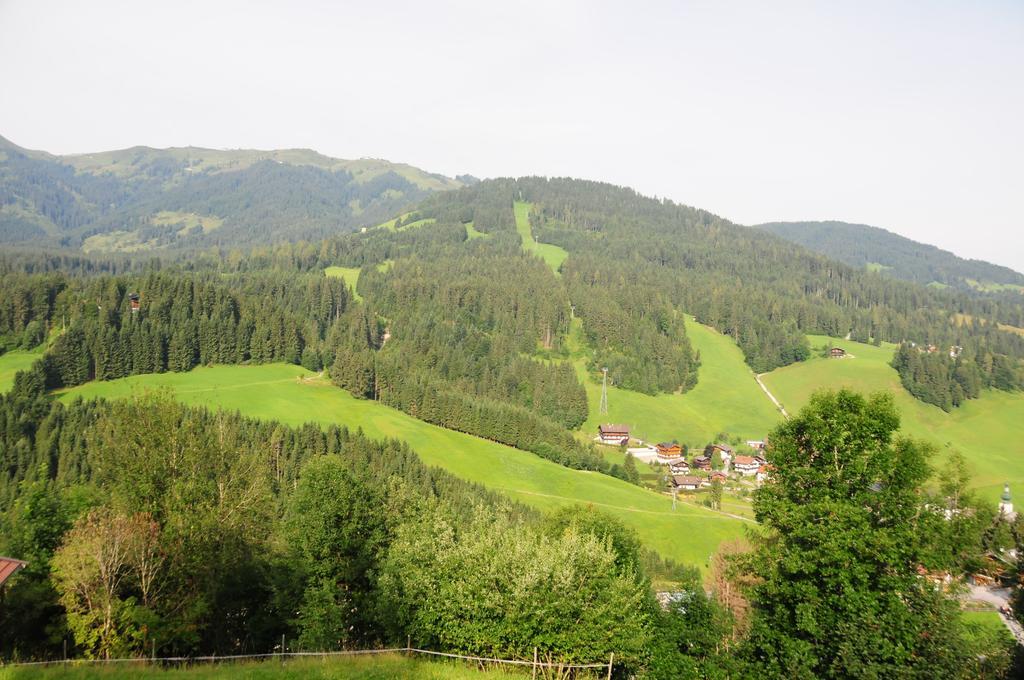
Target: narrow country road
{"type": "Point", "coordinates": [1000, 598]}
{"type": "Point", "coordinates": [771, 396]}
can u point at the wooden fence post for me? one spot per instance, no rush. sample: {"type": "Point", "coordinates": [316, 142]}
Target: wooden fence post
{"type": "Point", "coordinates": [534, 663]}
{"type": "Point", "coordinates": [611, 660]}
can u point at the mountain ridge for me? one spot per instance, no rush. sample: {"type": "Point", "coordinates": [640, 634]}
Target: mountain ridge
{"type": "Point", "coordinates": [143, 198]}
{"type": "Point", "coordinates": [878, 249]}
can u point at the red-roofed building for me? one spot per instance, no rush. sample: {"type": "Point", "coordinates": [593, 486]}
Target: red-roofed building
{"type": "Point", "coordinates": [746, 465]}
{"type": "Point", "coordinates": [9, 567]}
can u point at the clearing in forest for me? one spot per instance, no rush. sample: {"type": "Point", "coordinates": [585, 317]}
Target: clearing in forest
{"type": "Point", "coordinates": [988, 431]}
{"type": "Point", "coordinates": [286, 393]}
{"type": "Point", "coordinates": [350, 274]}
{"type": "Point", "coordinates": [14, 361]}
{"type": "Point", "coordinates": [551, 254]}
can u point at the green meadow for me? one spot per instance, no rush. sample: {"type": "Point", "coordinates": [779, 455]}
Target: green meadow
{"type": "Point", "coordinates": [726, 399]}
{"type": "Point", "coordinates": [375, 667]}
{"type": "Point", "coordinates": [14, 361]}
{"type": "Point", "coordinates": [551, 254]}
{"type": "Point", "coordinates": [294, 395]}
{"type": "Point", "coordinates": [987, 431]}
{"type": "Point", "coordinates": [350, 274]}
{"type": "Point", "coordinates": [472, 233]}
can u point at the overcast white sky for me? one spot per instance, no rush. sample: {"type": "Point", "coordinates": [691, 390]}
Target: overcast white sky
{"type": "Point", "coordinates": [904, 115]}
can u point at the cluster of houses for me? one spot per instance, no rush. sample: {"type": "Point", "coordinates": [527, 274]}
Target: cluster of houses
{"type": "Point", "coordinates": [691, 476]}
{"type": "Point", "coordinates": [954, 350]}
{"type": "Point", "coordinates": [701, 472]}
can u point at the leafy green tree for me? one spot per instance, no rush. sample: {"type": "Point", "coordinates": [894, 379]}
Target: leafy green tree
{"type": "Point", "coordinates": [840, 595]}
{"type": "Point", "coordinates": [715, 495]}
{"type": "Point", "coordinates": [495, 587]}
{"type": "Point", "coordinates": [337, 529]}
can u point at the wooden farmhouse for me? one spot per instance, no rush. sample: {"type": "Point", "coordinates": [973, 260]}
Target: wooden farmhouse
{"type": "Point", "coordinates": [679, 467]}
{"type": "Point", "coordinates": [746, 465]}
{"type": "Point", "coordinates": [686, 482]}
{"type": "Point", "coordinates": [702, 463]}
{"type": "Point", "coordinates": [613, 435]}
{"type": "Point", "coordinates": [669, 451]}
{"type": "Point", "coordinates": [837, 352]}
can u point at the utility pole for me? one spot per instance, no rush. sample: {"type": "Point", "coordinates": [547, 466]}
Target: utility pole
{"type": "Point", "coordinates": [603, 408]}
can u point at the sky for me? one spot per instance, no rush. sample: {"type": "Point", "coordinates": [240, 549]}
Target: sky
{"type": "Point", "coordinates": [904, 115]}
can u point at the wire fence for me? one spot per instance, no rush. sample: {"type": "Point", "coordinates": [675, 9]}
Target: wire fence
{"type": "Point", "coordinates": [536, 663]}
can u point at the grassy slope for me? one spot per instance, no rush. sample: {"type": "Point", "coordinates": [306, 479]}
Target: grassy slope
{"type": "Point", "coordinates": [726, 398]}
{"type": "Point", "coordinates": [988, 431]}
{"type": "Point", "coordinates": [551, 254]}
{"type": "Point", "coordinates": [350, 274]}
{"type": "Point", "coordinates": [292, 395]}
{"type": "Point", "coordinates": [987, 620]}
{"type": "Point", "coordinates": [377, 667]}
{"type": "Point", "coordinates": [12, 362]}
{"type": "Point", "coordinates": [472, 233]}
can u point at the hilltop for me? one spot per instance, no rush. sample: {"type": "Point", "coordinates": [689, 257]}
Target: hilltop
{"type": "Point", "coordinates": [875, 249]}
{"type": "Point", "coordinates": [145, 199]}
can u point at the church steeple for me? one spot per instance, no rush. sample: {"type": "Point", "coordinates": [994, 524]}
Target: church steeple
{"type": "Point", "coordinates": [1006, 504]}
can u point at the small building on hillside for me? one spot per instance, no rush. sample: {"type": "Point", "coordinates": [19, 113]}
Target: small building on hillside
{"type": "Point", "coordinates": [133, 299]}
{"type": "Point", "coordinates": [669, 451]}
{"type": "Point", "coordinates": [955, 351]}
{"type": "Point", "coordinates": [746, 465]}
{"type": "Point", "coordinates": [756, 444]}
{"type": "Point", "coordinates": [679, 467]}
{"type": "Point", "coordinates": [837, 352]}
{"type": "Point", "coordinates": [722, 448]}
{"type": "Point", "coordinates": [718, 476]}
{"type": "Point", "coordinates": [763, 473]}
{"type": "Point", "coordinates": [702, 463]}
{"type": "Point", "coordinates": [613, 435]}
{"type": "Point", "coordinates": [686, 482]}
{"type": "Point", "coordinates": [8, 568]}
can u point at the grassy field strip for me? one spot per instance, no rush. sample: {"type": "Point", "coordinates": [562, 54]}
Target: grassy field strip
{"type": "Point", "coordinates": [987, 431]}
{"type": "Point", "coordinates": [727, 397]}
{"type": "Point", "coordinates": [472, 233]}
{"type": "Point", "coordinates": [551, 254]}
{"type": "Point", "coordinates": [14, 361]}
{"type": "Point", "coordinates": [702, 511]}
{"type": "Point", "coordinates": [375, 667]}
{"type": "Point", "coordinates": [350, 274]}
{"type": "Point", "coordinates": [294, 396]}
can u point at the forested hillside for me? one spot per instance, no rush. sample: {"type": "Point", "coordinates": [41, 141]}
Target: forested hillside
{"type": "Point", "coordinates": [864, 247]}
{"type": "Point", "coordinates": [143, 199]}
{"type": "Point", "coordinates": [237, 531]}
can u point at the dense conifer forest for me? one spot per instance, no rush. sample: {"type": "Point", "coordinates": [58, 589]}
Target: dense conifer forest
{"type": "Point", "coordinates": [865, 247]}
